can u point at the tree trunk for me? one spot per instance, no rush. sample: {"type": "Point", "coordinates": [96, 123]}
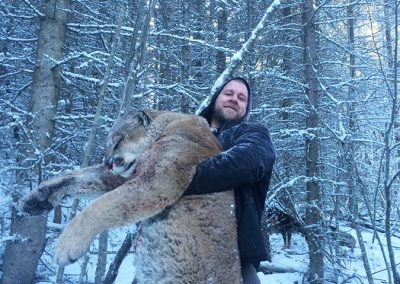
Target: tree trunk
{"type": "Point", "coordinates": [222, 21]}
{"type": "Point", "coordinates": [185, 60]}
{"type": "Point", "coordinates": [373, 225]}
{"type": "Point", "coordinates": [349, 147]}
{"type": "Point", "coordinates": [388, 179]}
{"type": "Point", "coordinates": [103, 87]}
{"type": "Point", "coordinates": [313, 211]}
{"type": "Point", "coordinates": [83, 276]}
{"type": "Point", "coordinates": [285, 105]}
{"type": "Point", "coordinates": [22, 255]}
{"type": "Point", "coordinates": [163, 14]}
{"type": "Point", "coordinates": [131, 62]}
{"type": "Point", "coordinates": [122, 252]}
{"type": "Point", "coordinates": [45, 91]}
{"type": "Point", "coordinates": [137, 67]}
{"type": "Point", "coordinates": [102, 258]}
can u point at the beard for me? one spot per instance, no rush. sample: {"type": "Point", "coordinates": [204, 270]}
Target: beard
{"type": "Point", "coordinates": [220, 116]}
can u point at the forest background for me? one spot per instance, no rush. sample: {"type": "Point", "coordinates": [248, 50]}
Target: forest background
{"type": "Point", "coordinates": [324, 80]}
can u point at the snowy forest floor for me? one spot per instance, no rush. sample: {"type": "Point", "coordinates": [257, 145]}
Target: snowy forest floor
{"type": "Point", "coordinates": [351, 271]}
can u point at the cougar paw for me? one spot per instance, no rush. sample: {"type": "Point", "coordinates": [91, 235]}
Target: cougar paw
{"type": "Point", "coordinates": [72, 244]}
{"type": "Point", "coordinates": [33, 206]}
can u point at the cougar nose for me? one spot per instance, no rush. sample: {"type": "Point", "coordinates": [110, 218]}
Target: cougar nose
{"type": "Point", "coordinates": [118, 161]}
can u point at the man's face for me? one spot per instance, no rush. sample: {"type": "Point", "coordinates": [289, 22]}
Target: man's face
{"type": "Point", "coordinates": [231, 103]}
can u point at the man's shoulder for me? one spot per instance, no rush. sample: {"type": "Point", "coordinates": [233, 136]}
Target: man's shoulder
{"type": "Point", "coordinates": [251, 130]}
{"type": "Point", "coordinates": [251, 126]}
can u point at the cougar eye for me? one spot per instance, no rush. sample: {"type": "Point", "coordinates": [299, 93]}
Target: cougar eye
{"type": "Point", "coordinates": [119, 139]}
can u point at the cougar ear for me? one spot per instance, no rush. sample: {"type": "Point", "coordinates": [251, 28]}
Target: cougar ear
{"type": "Point", "coordinates": [144, 118]}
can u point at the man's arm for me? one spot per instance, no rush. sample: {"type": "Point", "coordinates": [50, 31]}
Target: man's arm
{"type": "Point", "coordinates": [248, 161]}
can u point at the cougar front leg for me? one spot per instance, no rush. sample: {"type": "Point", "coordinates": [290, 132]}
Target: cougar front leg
{"type": "Point", "coordinates": [88, 182]}
{"type": "Point", "coordinates": [152, 191]}
{"type": "Point", "coordinates": [132, 202]}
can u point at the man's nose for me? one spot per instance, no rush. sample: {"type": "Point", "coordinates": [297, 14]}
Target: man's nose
{"type": "Point", "coordinates": [234, 98]}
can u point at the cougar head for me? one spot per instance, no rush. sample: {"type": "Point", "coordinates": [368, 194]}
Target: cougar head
{"type": "Point", "coordinates": [127, 142]}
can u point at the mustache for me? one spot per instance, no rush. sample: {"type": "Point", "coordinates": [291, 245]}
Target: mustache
{"type": "Point", "coordinates": [233, 106]}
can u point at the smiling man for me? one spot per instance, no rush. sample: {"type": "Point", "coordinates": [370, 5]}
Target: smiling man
{"type": "Point", "coordinates": [245, 165]}
{"type": "Point", "coordinates": [231, 103]}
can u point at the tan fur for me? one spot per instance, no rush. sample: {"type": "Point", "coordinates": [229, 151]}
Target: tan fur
{"type": "Point", "coordinates": [189, 239]}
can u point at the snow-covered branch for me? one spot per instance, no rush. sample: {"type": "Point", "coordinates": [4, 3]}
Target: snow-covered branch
{"type": "Point", "coordinates": [238, 56]}
{"type": "Point", "coordinates": [192, 40]}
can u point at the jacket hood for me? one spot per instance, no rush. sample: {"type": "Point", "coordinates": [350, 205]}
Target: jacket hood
{"type": "Point", "coordinates": [208, 111]}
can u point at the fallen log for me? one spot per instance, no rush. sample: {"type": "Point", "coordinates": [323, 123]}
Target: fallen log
{"type": "Point", "coordinates": [267, 267]}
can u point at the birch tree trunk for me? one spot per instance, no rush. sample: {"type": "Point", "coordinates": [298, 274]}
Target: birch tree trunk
{"type": "Point", "coordinates": [45, 92]}
{"type": "Point", "coordinates": [313, 211]}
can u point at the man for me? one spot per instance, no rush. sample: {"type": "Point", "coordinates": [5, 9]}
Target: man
{"type": "Point", "coordinates": [245, 165]}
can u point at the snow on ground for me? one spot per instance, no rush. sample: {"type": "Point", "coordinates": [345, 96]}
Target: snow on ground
{"type": "Point", "coordinates": [353, 268]}
{"type": "Point", "coordinates": [126, 273]}
{"type": "Point", "coordinates": [376, 259]}
{"type": "Point", "coordinates": [281, 278]}
{"type": "Point", "coordinates": [296, 258]}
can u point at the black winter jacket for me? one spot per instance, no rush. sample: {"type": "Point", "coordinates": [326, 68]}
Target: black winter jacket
{"type": "Point", "coordinates": [245, 165]}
